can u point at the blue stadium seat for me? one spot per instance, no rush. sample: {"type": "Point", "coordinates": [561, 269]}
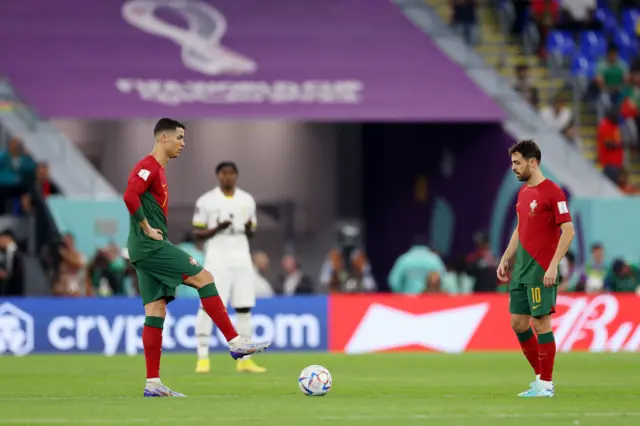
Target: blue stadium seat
{"type": "Point", "coordinates": [560, 43]}
{"type": "Point", "coordinates": [593, 44]}
{"type": "Point", "coordinates": [629, 19]}
{"type": "Point", "coordinates": [627, 45]}
{"type": "Point", "coordinates": [581, 66]}
{"type": "Point", "coordinates": [608, 20]}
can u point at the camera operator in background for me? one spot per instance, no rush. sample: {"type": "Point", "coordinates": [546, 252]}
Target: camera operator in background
{"type": "Point", "coordinates": [346, 268]}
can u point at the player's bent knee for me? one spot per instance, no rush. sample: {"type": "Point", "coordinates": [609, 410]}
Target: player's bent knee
{"type": "Point", "coordinates": [157, 308]}
{"type": "Point", "coordinates": [520, 323]}
{"type": "Point", "coordinates": [542, 324]}
{"type": "Point", "coordinates": [203, 278]}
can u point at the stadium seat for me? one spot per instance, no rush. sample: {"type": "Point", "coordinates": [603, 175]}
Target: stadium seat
{"type": "Point", "coordinates": [627, 45]}
{"type": "Point", "coordinates": [593, 44]}
{"type": "Point", "coordinates": [629, 19]}
{"type": "Point", "coordinates": [581, 66]}
{"type": "Point", "coordinates": [608, 20]}
{"type": "Point", "coordinates": [560, 43]}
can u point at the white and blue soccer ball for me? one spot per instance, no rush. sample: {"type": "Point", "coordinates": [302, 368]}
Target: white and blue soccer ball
{"type": "Point", "coordinates": [315, 380]}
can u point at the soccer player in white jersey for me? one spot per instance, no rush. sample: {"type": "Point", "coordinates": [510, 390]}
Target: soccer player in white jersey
{"type": "Point", "coordinates": [226, 218]}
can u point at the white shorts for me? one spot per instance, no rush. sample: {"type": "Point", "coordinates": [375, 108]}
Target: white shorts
{"type": "Point", "coordinates": [235, 285]}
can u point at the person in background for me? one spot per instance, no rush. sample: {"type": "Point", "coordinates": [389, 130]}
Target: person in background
{"type": "Point", "coordinates": [71, 280]}
{"type": "Point", "coordinates": [464, 19]}
{"type": "Point", "coordinates": [480, 265]}
{"type": "Point", "coordinates": [579, 15]}
{"type": "Point", "coordinates": [106, 273]}
{"type": "Point", "coordinates": [625, 185]}
{"type": "Point", "coordinates": [523, 86]}
{"type": "Point", "coordinates": [612, 75]}
{"type": "Point", "coordinates": [292, 280]}
{"type": "Point", "coordinates": [16, 170]}
{"type": "Point", "coordinates": [629, 110]}
{"type": "Point", "coordinates": [261, 264]}
{"type": "Point", "coordinates": [572, 277]}
{"type": "Point", "coordinates": [561, 117]}
{"type": "Point", "coordinates": [622, 278]}
{"type": "Point", "coordinates": [417, 270]}
{"type": "Point", "coordinates": [545, 13]}
{"type": "Point", "coordinates": [610, 146]}
{"type": "Point", "coordinates": [195, 248]}
{"type": "Point", "coordinates": [346, 269]}
{"type": "Point", "coordinates": [596, 270]}
{"type": "Point", "coordinates": [11, 266]}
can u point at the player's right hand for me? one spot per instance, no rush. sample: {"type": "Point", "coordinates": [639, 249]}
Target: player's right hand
{"type": "Point", "coordinates": [154, 234]}
{"type": "Point", "coordinates": [224, 225]}
{"type": "Point", "coordinates": [503, 271]}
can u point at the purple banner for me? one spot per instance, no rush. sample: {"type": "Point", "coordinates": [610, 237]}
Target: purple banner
{"type": "Point", "coordinates": [314, 59]}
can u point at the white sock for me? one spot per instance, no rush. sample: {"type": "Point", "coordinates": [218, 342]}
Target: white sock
{"type": "Point", "coordinates": [545, 384]}
{"type": "Point", "coordinates": [537, 377]}
{"type": "Point", "coordinates": [204, 329]}
{"type": "Point", "coordinates": [244, 327]}
{"type": "Point", "coordinates": [154, 381]}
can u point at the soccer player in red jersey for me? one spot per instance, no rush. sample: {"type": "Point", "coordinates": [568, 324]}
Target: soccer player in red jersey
{"type": "Point", "coordinates": [539, 243]}
{"type": "Point", "coordinates": [161, 266]}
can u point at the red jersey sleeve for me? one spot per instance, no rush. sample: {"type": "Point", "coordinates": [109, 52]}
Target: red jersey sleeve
{"type": "Point", "coordinates": [559, 206]}
{"type": "Point", "coordinates": [142, 177]}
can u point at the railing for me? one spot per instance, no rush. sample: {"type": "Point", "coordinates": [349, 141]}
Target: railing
{"type": "Point", "coordinates": [75, 175]}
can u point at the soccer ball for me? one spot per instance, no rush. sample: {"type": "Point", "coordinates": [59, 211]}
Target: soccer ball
{"type": "Point", "coordinates": [315, 380]}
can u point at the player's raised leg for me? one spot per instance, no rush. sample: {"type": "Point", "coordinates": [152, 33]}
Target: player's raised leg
{"type": "Point", "coordinates": [213, 305]}
{"type": "Point", "coordinates": [521, 325]}
{"type": "Point", "coordinates": [204, 324]}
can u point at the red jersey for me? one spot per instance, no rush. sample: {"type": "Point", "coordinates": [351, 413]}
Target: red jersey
{"type": "Point", "coordinates": [610, 156]}
{"type": "Point", "coordinates": [146, 196]}
{"type": "Point", "coordinates": [541, 210]}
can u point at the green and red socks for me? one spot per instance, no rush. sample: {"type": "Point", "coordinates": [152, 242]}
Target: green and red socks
{"type": "Point", "coordinates": [546, 356]}
{"type": "Point", "coordinates": [529, 345]}
{"type": "Point", "coordinates": [152, 344]}
{"type": "Point", "coordinates": [214, 307]}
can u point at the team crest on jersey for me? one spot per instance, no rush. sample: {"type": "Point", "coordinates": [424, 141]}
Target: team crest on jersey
{"type": "Point", "coordinates": [533, 206]}
{"type": "Point", "coordinates": [193, 261]}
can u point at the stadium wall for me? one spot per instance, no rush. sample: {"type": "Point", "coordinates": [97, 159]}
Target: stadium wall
{"type": "Point", "coordinates": [342, 323]}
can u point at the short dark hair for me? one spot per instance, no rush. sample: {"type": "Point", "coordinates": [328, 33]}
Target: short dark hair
{"type": "Point", "coordinates": [596, 246]}
{"type": "Point", "coordinates": [167, 124]}
{"type": "Point", "coordinates": [224, 164]}
{"type": "Point", "coordinates": [528, 149]}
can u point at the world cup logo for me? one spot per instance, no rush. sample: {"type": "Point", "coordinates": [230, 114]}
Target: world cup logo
{"type": "Point", "coordinates": [202, 50]}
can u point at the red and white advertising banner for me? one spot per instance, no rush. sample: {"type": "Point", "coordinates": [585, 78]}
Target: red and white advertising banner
{"type": "Point", "coordinates": [442, 323]}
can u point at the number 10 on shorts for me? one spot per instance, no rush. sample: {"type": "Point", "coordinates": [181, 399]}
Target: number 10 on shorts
{"type": "Point", "coordinates": [536, 295]}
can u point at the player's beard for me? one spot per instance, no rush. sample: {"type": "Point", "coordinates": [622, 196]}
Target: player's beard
{"type": "Point", "coordinates": [524, 176]}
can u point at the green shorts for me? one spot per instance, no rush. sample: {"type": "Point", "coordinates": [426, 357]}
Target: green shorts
{"type": "Point", "coordinates": [163, 271]}
{"type": "Point", "coordinates": [533, 299]}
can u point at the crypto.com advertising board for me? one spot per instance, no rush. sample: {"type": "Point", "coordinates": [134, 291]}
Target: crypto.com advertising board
{"type": "Point", "coordinates": [349, 324]}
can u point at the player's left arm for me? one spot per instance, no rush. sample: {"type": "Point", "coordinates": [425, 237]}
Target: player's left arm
{"type": "Point", "coordinates": [562, 218]}
{"type": "Point", "coordinates": [252, 224]}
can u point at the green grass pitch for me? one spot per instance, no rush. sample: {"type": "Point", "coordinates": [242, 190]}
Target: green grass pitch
{"type": "Point", "coordinates": [381, 389]}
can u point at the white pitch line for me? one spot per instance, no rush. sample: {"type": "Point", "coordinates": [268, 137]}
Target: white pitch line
{"type": "Point", "coordinates": [349, 418]}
